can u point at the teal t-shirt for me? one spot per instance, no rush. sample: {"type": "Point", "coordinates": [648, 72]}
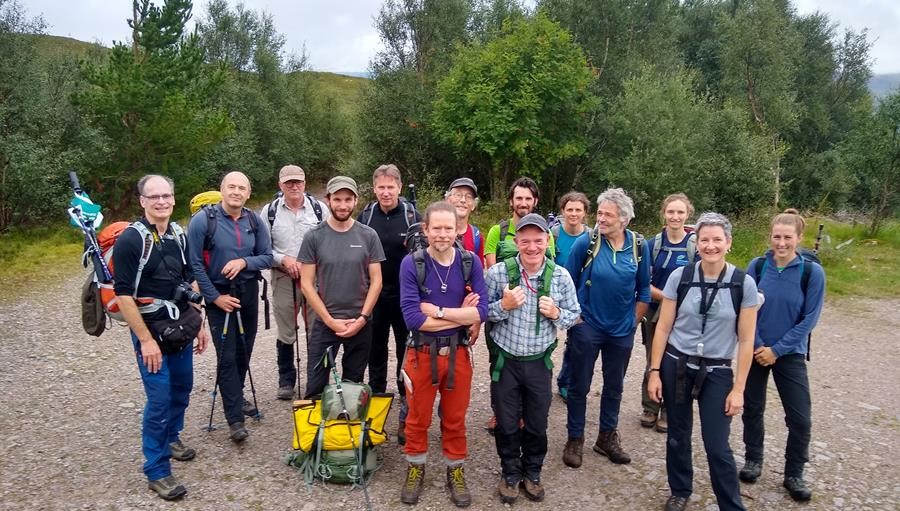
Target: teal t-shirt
{"type": "Point", "coordinates": [564, 245]}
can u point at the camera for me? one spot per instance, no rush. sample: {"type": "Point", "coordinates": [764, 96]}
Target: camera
{"type": "Point", "coordinates": [184, 292]}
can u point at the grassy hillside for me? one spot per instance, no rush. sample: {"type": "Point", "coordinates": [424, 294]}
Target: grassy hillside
{"type": "Point", "coordinates": [346, 90]}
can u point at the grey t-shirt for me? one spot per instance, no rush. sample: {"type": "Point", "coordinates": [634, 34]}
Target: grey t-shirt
{"type": "Point", "coordinates": [342, 265]}
{"type": "Point", "coordinates": [720, 338]}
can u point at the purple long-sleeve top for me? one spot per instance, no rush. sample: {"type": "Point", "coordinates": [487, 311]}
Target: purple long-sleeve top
{"type": "Point", "coordinates": [411, 297]}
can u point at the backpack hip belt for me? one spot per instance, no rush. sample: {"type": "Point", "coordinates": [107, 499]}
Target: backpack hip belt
{"type": "Point", "coordinates": [500, 357]}
{"type": "Point", "coordinates": [439, 347]}
{"type": "Point", "coordinates": [681, 368]}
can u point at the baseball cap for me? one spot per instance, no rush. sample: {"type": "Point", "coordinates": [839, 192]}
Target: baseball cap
{"type": "Point", "coordinates": [291, 172]}
{"type": "Point", "coordinates": [341, 183]}
{"type": "Point", "coordinates": [532, 219]}
{"type": "Point", "coordinates": [464, 181]}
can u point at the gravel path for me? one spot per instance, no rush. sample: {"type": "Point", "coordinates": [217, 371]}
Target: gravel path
{"type": "Point", "coordinates": [71, 406]}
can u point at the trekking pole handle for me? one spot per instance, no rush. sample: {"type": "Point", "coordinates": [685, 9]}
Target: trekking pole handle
{"type": "Point", "coordinates": [412, 194]}
{"type": "Point", "coordinates": [73, 179]}
{"type": "Point", "coordinates": [819, 237]}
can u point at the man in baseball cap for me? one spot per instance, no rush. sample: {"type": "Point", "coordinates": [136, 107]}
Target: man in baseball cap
{"type": "Point", "coordinates": [343, 257]}
{"type": "Point", "coordinates": [463, 196]}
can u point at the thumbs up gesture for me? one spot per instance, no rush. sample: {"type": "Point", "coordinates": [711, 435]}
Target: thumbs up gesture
{"type": "Point", "coordinates": [512, 298]}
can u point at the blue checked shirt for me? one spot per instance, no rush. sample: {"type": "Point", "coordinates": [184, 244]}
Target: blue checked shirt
{"type": "Point", "coordinates": [514, 330]}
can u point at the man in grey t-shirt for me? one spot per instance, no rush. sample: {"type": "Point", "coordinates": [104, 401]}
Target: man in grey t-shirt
{"type": "Point", "coordinates": [340, 279]}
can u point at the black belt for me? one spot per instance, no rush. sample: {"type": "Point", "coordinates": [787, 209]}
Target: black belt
{"type": "Point", "coordinates": [433, 345]}
{"type": "Point", "coordinates": [681, 372]}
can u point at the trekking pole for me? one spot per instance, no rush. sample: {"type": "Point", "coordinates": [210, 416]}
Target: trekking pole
{"type": "Point", "coordinates": [243, 336]}
{"type": "Point", "coordinates": [224, 335]}
{"type": "Point", "coordinates": [339, 390]}
{"type": "Point", "coordinates": [294, 284]}
{"type": "Point", "coordinates": [818, 238]}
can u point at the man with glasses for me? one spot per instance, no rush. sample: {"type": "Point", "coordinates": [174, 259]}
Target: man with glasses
{"type": "Point", "coordinates": [289, 217]}
{"type": "Point", "coordinates": [227, 254]}
{"type": "Point", "coordinates": [167, 375]}
{"type": "Point", "coordinates": [463, 196]}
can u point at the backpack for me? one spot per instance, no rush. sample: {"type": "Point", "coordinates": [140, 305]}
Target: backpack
{"type": "Point", "coordinates": [408, 210]}
{"type": "Point", "coordinates": [204, 199]}
{"type": "Point", "coordinates": [466, 262]}
{"type": "Point", "coordinates": [272, 208]}
{"type": "Point", "coordinates": [735, 286]}
{"type": "Point", "coordinates": [554, 230]}
{"type": "Point", "coordinates": [477, 239]}
{"type": "Point", "coordinates": [806, 256]}
{"type": "Point", "coordinates": [332, 447]}
{"type": "Point", "coordinates": [690, 249]}
{"type": "Point", "coordinates": [98, 299]}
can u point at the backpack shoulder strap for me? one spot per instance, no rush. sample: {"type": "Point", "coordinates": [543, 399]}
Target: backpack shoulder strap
{"type": "Point", "coordinates": [555, 232]}
{"type": "Point", "coordinates": [684, 284]}
{"type": "Point", "coordinates": [637, 246]}
{"type": "Point", "coordinates": [211, 223]}
{"type": "Point", "coordinates": [593, 249]}
{"type": "Point", "coordinates": [504, 229]}
{"type": "Point", "coordinates": [367, 213]}
{"type": "Point", "coordinates": [737, 290]}
{"type": "Point", "coordinates": [759, 267]}
{"type": "Point", "coordinates": [181, 239]}
{"type": "Point", "coordinates": [254, 220]}
{"type": "Point", "coordinates": [657, 245]}
{"type": "Point", "coordinates": [147, 236]}
{"type": "Point", "coordinates": [476, 238]}
{"type": "Point", "coordinates": [691, 246]}
{"type": "Point", "coordinates": [804, 275]}
{"type": "Point", "coordinates": [272, 210]}
{"type": "Point", "coordinates": [547, 278]}
{"type": "Point", "coordinates": [466, 262]}
{"type": "Point", "coordinates": [317, 208]}
{"type": "Point", "coordinates": [514, 276]}
{"type": "Point", "coordinates": [419, 260]}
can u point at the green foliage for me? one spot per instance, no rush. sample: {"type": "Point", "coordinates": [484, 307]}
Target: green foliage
{"type": "Point", "coordinates": [40, 255]}
{"type": "Point", "coordinates": [153, 103]}
{"type": "Point", "coordinates": [521, 100]}
{"type": "Point", "coordinates": [872, 154]}
{"type": "Point", "coordinates": [690, 146]}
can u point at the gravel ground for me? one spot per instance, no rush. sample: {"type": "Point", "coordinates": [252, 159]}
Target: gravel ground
{"type": "Point", "coordinates": [70, 415]}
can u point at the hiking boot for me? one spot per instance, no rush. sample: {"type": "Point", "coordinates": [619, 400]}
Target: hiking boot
{"type": "Point", "coordinates": [168, 488]}
{"type": "Point", "coordinates": [412, 487]}
{"type": "Point", "coordinates": [181, 452]}
{"type": "Point", "coordinates": [401, 433]}
{"type": "Point", "coordinates": [509, 490]}
{"type": "Point", "coordinates": [456, 483]}
{"type": "Point", "coordinates": [751, 471]}
{"type": "Point", "coordinates": [676, 503]}
{"type": "Point", "coordinates": [662, 424]}
{"type": "Point", "coordinates": [238, 432]}
{"type": "Point", "coordinates": [285, 393]}
{"type": "Point", "coordinates": [248, 409]}
{"type": "Point", "coordinates": [572, 452]}
{"type": "Point", "coordinates": [798, 489]}
{"type": "Point", "coordinates": [648, 419]}
{"type": "Point", "coordinates": [608, 445]}
{"type": "Point", "coordinates": [491, 425]}
{"type": "Point", "coordinates": [534, 490]}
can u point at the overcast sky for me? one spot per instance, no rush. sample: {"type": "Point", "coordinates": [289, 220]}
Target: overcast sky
{"type": "Point", "coordinates": [339, 34]}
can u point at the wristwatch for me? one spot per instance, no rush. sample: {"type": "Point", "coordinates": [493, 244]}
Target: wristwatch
{"type": "Point", "coordinates": [440, 313]}
{"type": "Point", "coordinates": [367, 317]}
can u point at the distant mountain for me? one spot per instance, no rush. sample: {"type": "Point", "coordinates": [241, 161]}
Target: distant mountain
{"type": "Point", "coordinates": [882, 85]}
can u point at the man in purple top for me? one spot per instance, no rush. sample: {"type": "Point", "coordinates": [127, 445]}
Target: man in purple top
{"type": "Point", "coordinates": [444, 301]}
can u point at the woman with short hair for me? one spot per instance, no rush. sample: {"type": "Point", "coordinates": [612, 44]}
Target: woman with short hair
{"type": "Point", "coordinates": [708, 312]}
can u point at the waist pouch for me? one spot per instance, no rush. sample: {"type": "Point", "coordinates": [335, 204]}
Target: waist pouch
{"type": "Point", "coordinates": [681, 367]}
{"type": "Point", "coordinates": [174, 334]}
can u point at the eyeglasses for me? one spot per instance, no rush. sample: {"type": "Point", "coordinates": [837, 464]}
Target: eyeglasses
{"type": "Point", "coordinates": [166, 197]}
{"type": "Point", "coordinates": [463, 196]}
{"type": "Point", "coordinates": [294, 183]}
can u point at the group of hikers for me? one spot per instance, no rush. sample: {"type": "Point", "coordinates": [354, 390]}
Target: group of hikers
{"type": "Point", "coordinates": [351, 281]}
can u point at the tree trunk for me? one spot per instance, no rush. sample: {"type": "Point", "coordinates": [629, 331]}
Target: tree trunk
{"type": "Point", "coordinates": [776, 169]}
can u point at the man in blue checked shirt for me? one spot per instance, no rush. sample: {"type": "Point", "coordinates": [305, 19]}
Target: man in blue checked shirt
{"type": "Point", "coordinates": [529, 297]}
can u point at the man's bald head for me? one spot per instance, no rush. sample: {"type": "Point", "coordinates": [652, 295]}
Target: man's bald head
{"type": "Point", "coordinates": [235, 192]}
{"type": "Point", "coordinates": [235, 177]}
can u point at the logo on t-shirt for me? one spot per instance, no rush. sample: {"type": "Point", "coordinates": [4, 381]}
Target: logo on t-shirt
{"type": "Point", "coordinates": [355, 246]}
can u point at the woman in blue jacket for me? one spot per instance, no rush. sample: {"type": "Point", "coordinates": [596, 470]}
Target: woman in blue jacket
{"type": "Point", "coordinates": [794, 290]}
